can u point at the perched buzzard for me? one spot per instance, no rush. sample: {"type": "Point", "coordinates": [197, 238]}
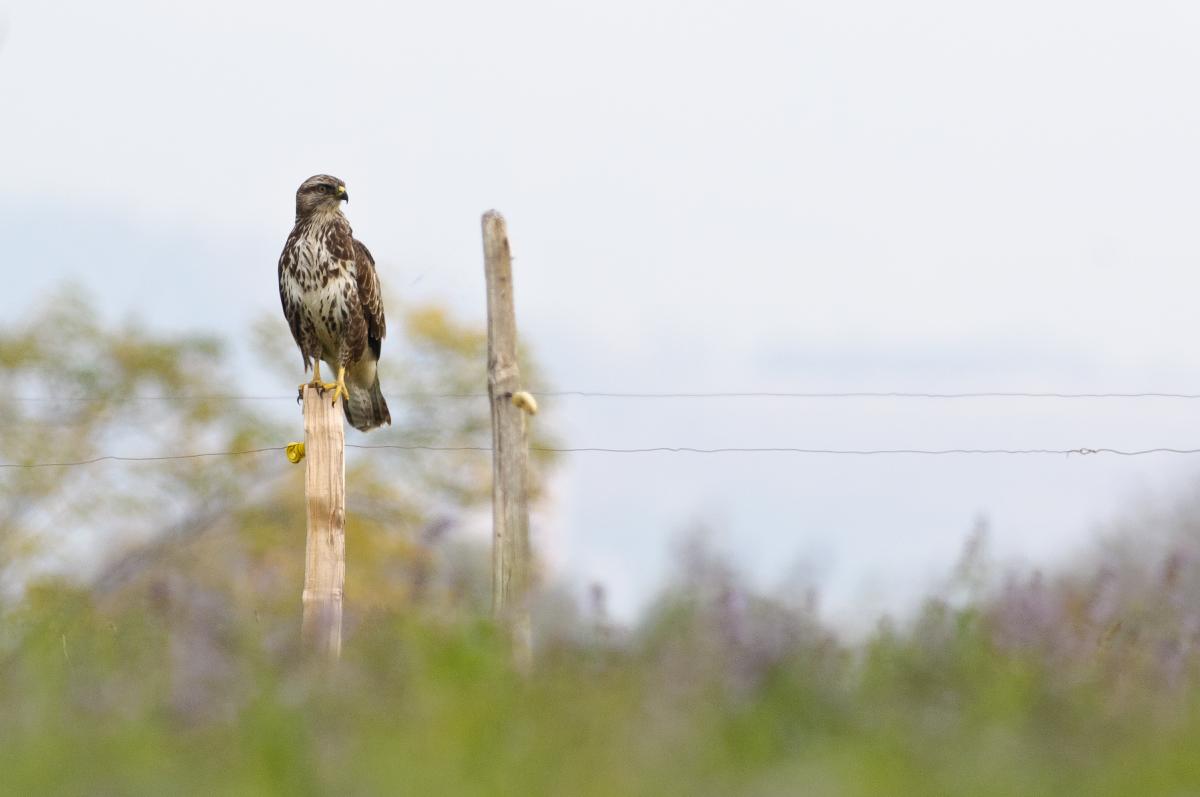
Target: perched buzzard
{"type": "Point", "coordinates": [330, 295]}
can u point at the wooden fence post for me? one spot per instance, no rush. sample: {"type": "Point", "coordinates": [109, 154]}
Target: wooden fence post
{"type": "Point", "coordinates": [325, 546]}
{"type": "Point", "coordinates": [510, 446]}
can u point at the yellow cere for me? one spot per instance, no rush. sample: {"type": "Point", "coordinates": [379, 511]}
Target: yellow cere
{"type": "Point", "coordinates": [341, 189]}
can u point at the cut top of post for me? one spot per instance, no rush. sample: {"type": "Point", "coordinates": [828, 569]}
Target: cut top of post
{"type": "Point", "coordinates": [502, 323]}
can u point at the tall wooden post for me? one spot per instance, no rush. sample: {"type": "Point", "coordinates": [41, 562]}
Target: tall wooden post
{"type": "Point", "coordinates": [325, 547]}
{"type": "Point", "coordinates": [510, 447]}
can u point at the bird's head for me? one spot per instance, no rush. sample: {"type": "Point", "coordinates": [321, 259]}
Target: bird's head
{"type": "Point", "coordinates": [320, 193]}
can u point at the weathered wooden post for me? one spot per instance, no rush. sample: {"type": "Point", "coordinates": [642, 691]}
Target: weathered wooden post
{"type": "Point", "coordinates": [510, 446]}
{"type": "Point", "coordinates": [325, 547]}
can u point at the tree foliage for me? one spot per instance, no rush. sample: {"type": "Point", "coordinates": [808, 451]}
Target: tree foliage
{"type": "Point", "coordinates": [89, 388]}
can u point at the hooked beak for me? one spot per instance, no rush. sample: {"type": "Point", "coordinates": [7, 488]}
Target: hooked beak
{"type": "Point", "coordinates": [342, 195]}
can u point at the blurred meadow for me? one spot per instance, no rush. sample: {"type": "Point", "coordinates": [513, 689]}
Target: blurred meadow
{"type": "Point", "coordinates": [149, 621]}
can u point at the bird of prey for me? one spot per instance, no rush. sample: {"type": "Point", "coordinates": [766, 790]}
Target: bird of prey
{"type": "Point", "coordinates": [331, 300]}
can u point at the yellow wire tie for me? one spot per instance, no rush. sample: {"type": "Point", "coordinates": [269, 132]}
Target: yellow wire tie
{"type": "Point", "coordinates": [295, 452]}
{"type": "Point", "coordinates": [525, 401]}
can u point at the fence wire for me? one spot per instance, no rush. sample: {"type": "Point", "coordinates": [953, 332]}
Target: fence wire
{"type": "Point", "coordinates": [890, 394]}
{"type": "Point", "coordinates": [1060, 452]}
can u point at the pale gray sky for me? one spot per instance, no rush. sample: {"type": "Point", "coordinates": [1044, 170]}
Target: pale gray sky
{"type": "Point", "coordinates": [935, 196]}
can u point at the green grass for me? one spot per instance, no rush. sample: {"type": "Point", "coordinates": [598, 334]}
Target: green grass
{"type": "Point", "coordinates": [126, 698]}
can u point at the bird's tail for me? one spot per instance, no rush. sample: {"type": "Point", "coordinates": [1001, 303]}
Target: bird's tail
{"type": "Point", "coordinates": [366, 407]}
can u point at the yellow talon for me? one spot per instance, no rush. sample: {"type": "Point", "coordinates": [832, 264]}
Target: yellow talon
{"type": "Point", "coordinates": [318, 384]}
{"type": "Point", "coordinates": [339, 387]}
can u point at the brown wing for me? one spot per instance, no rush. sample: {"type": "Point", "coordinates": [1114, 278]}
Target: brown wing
{"type": "Point", "coordinates": [370, 297]}
{"type": "Point", "coordinates": [290, 299]}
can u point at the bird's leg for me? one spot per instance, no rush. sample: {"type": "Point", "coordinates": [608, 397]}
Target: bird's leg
{"type": "Point", "coordinates": [339, 387]}
{"type": "Point", "coordinates": [316, 380]}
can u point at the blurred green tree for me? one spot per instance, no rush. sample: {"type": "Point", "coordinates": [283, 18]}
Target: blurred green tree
{"type": "Point", "coordinates": [233, 523]}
